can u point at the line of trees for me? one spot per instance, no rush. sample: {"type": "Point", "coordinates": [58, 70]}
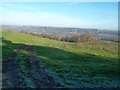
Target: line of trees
{"type": "Point", "coordinates": [94, 42]}
{"type": "Point", "coordinates": [74, 37]}
{"type": "Point", "coordinates": [88, 36]}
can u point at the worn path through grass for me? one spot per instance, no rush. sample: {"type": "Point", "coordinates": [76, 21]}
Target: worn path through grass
{"type": "Point", "coordinates": [23, 70]}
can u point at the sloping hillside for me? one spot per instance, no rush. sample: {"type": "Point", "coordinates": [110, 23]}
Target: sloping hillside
{"type": "Point", "coordinates": [48, 63]}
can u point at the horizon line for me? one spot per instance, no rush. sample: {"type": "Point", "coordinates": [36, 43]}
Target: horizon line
{"type": "Point", "coordinates": [61, 27]}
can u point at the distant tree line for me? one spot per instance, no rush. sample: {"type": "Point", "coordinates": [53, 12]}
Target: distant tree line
{"type": "Point", "coordinates": [94, 42]}
{"type": "Point", "coordinates": [74, 37]}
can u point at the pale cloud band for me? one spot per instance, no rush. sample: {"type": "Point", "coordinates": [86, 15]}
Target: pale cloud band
{"type": "Point", "coordinates": [49, 19]}
{"type": "Point", "coordinates": [27, 15]}
{"type": "Point", "coordinates": [43, 18]}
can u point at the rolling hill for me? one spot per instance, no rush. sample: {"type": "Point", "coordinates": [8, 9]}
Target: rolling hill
{"type": "Point", "coordinates": [41, 62]}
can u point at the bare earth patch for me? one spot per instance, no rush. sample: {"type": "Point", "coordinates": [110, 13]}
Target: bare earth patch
{"type": "Point", "coordinates": [34, 75]}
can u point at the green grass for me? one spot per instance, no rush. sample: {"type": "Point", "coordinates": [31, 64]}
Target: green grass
{"type": "Point", "coordinates": [65, 61]}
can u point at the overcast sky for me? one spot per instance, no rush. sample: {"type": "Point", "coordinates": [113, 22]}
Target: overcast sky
{"type": "Point", "coordinates": [98, 15]}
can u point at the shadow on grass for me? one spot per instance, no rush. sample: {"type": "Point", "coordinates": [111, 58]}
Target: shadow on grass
{"type": "Point", "coordinates": [66, 64]}
{"type": "Point", "coordinates": [56, 56]}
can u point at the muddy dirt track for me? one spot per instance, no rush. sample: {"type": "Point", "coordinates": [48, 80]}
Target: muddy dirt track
{"type": "Point", "coordinates": [34, 75]}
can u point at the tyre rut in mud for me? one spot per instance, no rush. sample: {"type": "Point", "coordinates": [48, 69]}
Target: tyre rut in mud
{"type": "Point", "coordinates": [34, 75]}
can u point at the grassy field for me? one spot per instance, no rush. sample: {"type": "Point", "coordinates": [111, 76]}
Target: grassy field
{"type": "Point", "coordinates": [74, 65]}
